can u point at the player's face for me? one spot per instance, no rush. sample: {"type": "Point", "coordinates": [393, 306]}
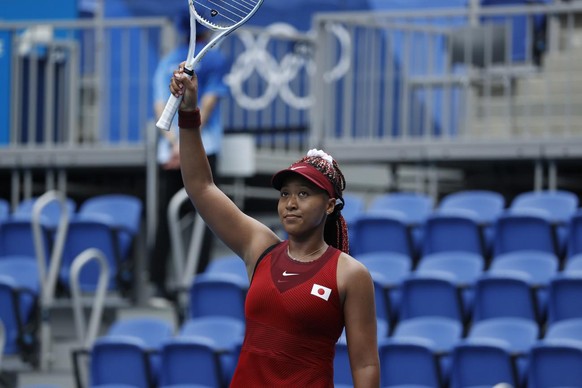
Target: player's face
{"type": "Point", "coordinates": [303, 206]}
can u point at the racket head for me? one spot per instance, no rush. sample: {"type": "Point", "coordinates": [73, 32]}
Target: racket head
{"type": "Point", "coordinates": [223, 14]}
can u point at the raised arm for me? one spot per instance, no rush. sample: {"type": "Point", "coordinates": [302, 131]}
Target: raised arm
{"type": "Point", "coordinates": [244, 235]}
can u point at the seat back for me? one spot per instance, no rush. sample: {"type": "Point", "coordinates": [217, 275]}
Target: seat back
{"type": "Point", "coordinates": [381, 232]}
{"type": "Point", "coordinates": [482, 363]}
{"type": "Point", "coordinates": [487, 205]}
{"type": "Point", "coordinates": [415, 206]}
{"type": "Point", "coordinates": [446, 232]}
{"type": "Point", "coordinates": [120, 360]}
{"type": "Point", "coordinates": [408, 363]}
{"type": "Point", "coordinates": [231, 264]}
{"type": "Point", "coordinates": [514, 232]}
{"type": "Point", "coordinates": [555, 363]}
{"type": "Point", "coordinates": [560, 204]}
{"type": "Point", "coordinates": [430, 295]}
{"type": "Point", "coordinates": [564, 294]}
{"type": "Point", "coordinates": [342, 373]}
{"type": "Point", "coordinates": [217, 294]}
{"type": "Point", "coordinates": [190, 361]}
{"type": "Point", "coordinates": [574, 240]}
{"type": "Point", "coordinates": [504, 295]}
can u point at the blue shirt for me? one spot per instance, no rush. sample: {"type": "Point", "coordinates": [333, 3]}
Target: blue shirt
{"type": "Point", "coordinates": [210, 71]}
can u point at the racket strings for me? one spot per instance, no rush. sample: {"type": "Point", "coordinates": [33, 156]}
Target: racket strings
{"type": "Point", "coordinates": [224, 13]}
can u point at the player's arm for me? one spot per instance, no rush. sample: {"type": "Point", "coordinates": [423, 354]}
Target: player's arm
{"type": "Point", "coordinates": [360, 321]}
{"type": "Point", "coordinates": [247, 237]}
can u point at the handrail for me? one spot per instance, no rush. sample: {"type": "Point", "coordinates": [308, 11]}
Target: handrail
{"type": "Point", "coordinates": [48, 280]}
{"type": "Point", "coordinates": [184, 264]}
{"type": "Point", "coordinates": [86, 338]}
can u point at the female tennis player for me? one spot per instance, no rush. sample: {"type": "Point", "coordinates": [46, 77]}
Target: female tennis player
{"type": "Point", "coordinates": [303, 290]}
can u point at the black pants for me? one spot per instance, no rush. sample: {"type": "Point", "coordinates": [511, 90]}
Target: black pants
{"type": "Point", "coordinates": [169, 183]}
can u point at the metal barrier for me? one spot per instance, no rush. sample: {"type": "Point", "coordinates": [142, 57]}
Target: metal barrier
{"type": "Point", "coordinates": [451, 84]}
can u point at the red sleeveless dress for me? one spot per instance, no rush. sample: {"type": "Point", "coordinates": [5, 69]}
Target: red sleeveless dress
{"type": "Point", "coordinates": [293, 320]}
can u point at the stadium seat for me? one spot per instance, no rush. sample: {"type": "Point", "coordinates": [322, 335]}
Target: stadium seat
{"type": "Point", "coordinates": [231, 264]}
{"type": "Point", "coordinates": [555, 363]}
{"type": "Point", "coordinates": [487, 205]}
{"type": "Point", "coordinates": [560, 205]}
{"type": "Point", "coordinates": [121, 211]}
{"type": "Point", "coordinates": [190, 361]}
{"type": "Point", "coordinates": [567, 329]}
{"type": "Point", "coordinates": [465, 267]}
{"type": "Point", "coordinates": [415, 206]}
{"type": "Point", "coordinates": [388, 271]}
{"type": "Point", "coordinates": [382, 231]}
{"type": "Point", "coordinates": [518, 334]}
{"type": "Point", "coordinates": [539, 267]}
{"type": "Point", "coordinates": [482, 362]}
{"type": "Point", "coordinates": [128, 353]}
{"type": "Point", "coordinates": [453, 230]}
{"type": "Point", "coordinates": [217, 295]}
{"type": "Point", "coordinates": [504, 294]}
{"type": "Point", "coordinates": [431, 294]}
{"type": "Point", "coordinates": [409, 362]}
{"type": "Point", "coordinates": [524, 229]}
{"type": "Point", "coordinates": [226, 335]}
{"type": "Point", "coordinates": [564, 291]}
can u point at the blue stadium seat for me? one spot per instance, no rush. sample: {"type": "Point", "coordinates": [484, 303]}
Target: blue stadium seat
{"type": "Point", "coordinates": [518, 334]}
{"type": "Point", "coordinates": [231, 264]}
{"type": "Point", "coordinates": [388, 270]}
{"type": "Point", "coordinates": [122, 211]}
{"type": "Point", "coordinates": [563, 293]}
{"type": "Point", "coordinates": [129, 352]}
{"type": "Point", "coordinates": [487, 205]}
{"type": "Point", "coordinates": [555, 363]}
{"type": "Point", "coordinates": [504, 294]}
{"type": "Point", "coordinates": [382, 231]}
{"type": "Point", "coordinates": [431, 294]}
{"type": "Point", "coordinates": [573, 264]}
{"type": "Point", "coordinates": [524, 229]}
{"type": "Point", "coordinates": [408, 362]}
{"type": "Point", "coordinates": [465, 267]}
{"type": "Point", "coordinates": [415, 206]}
{"type": "Point", "coordinates": [217, 295]}
{"type": "Point", "coordinates": [443, 334]}
{"type": "Point", "coordinates": [226, 335]}
{"type": "Point", "coordinates": [539, 267]}
{"type": "Point", "coordinates": [567, 329]}
{"type": "Point", "coordinates": [190, 361]}
{"type": "Point", "coordinates": [482, 362]}
{"type": "Point", "coordinates": [453, 230]}
{"type": "Point", "coordinates": [560, 205]}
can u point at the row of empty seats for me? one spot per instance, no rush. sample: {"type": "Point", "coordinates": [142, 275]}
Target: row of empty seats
{"type": "Point", "coordinates": [48, 229]}
{"type": "Point", "coordinates": [478, 221]}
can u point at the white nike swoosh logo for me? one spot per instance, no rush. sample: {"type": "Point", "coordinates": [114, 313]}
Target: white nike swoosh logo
{"type": "Point", "coordinates": [297, 168]}
{"type": "Point", "coordinates": [285, 273]}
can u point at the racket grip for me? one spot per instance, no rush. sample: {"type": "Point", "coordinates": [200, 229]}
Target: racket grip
{"type": "Point", "coordinates": [165, 120]}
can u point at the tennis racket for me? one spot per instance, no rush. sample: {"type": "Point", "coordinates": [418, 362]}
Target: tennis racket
{"type": "Point", "coordinates": [218, 15]}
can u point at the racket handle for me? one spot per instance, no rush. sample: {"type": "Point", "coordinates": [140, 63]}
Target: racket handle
{"type": "Point", "coordinates": [165, 120]}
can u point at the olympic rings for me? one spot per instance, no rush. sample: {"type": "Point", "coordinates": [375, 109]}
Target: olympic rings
{"type": "Point", "coordinates": [277, 76]}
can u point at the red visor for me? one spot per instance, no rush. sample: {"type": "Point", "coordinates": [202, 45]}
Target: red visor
{"type": "Point", "coordinates": [308, 171]}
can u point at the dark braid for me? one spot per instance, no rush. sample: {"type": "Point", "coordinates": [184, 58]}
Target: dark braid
{"type": "Point", "coordinates": [336, 230]}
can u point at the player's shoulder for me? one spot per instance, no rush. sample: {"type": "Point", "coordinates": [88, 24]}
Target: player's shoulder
{"type": "Point", "coordinates": [351, 267]}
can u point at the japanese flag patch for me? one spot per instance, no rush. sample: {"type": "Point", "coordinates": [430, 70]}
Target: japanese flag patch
{"type": "Point", "coordinates": [321, 291]}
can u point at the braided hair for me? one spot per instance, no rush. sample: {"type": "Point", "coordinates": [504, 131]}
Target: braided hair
{"type": "Point", "coordinates": [336, 230]}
